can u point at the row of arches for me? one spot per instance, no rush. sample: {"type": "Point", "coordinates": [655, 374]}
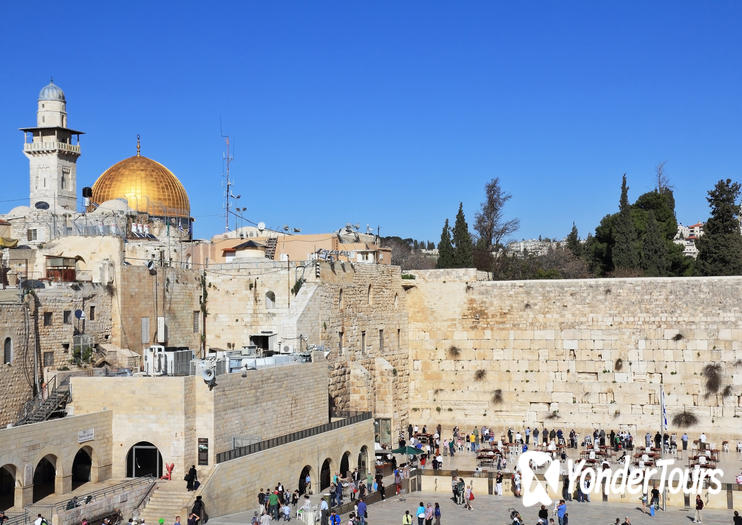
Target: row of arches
{"type": "Point", "coordinates": [44, 477]}
{"type": "Point", "coordinates": [327, 468]}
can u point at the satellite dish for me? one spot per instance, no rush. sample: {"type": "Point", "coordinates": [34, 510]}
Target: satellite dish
{"type": "Point", "coordinates": [261, 226]}
{"type": "Point", "coordinates": [41, 205]}
{"type": "Point", "coordinates": [150, 265]}
{"type": "Point", "coordinates": [79, 314]}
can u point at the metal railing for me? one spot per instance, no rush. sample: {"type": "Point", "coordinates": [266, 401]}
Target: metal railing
{"type": "Point", "coordinates": [239, 452]}
{"type": "Point", "coordinates": [90, 497]}
{"type": "Point", "coordinates": [51, 146]}
{"type": "Point", "coordinates": [31, 406]}
{"type": "Point", "coordinates": [20, 519]}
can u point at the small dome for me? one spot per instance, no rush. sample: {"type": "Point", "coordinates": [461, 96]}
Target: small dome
{"type": "Point", "coordinates": [52, 92]}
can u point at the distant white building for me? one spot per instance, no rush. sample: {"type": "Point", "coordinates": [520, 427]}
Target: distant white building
{"type": "Point", "coordinates": [533, 247]}
{"type": "Point", "coordinates": [687, 236]}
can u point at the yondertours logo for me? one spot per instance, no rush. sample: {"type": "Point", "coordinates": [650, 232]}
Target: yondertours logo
{"type": "Point", "coordinates": [621, 481]}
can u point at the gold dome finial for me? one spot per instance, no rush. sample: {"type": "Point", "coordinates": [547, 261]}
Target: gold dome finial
{"type": "Point", "coordinates": [138, 145]}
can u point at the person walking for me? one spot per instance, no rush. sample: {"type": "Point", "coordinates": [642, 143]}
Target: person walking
{"type": "Point", "coordinates": [362, 511]}
{"type": "Point", "coordinates": [407, 518]}
{"type": "Point", "coordinates": [498, 483]}
{"type": "Point", "coordinates": [324, 512]}
{"type": "Point", "coordinates": [191, 478]}
{"type": "Point", "coordinates": [699, 508]}
{"type": "Point", "coordinates": [437, 514]}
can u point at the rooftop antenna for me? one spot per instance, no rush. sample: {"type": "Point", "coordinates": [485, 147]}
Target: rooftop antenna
{"type": "Point", "coordinates": [228, 196]}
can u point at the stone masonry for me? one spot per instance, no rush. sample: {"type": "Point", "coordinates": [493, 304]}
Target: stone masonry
{"type": "Point", "coordinates": [576, 353]}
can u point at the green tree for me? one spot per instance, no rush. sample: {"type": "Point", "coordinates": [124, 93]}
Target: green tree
{"type": "Point", "coordinates": [625, 255]}
{"type": "Point", "coordinates": [445, 248]}
{"type": "Point", "coordinates": [720, 248]}
{"type": "Point", "coordinates": [573, 242]}
{"type": "Point", "coordinates": [654, 260]}
{"type": "Point", "coordinates": [462, 254]}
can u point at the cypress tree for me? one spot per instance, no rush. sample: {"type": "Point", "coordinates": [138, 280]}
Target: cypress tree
{"type": "Point", "coordinates": [462, 254]}
{"type": "Point", "coordinates": [445, 248]}
{"type": "Point", "coordinates": [654, 260]}
{"type": "Point", "coordinates": [624, 253]}
{"type": "Point", "coordinates": [573, 242]}
{"type": "Point", "coordinates": [720, 248]}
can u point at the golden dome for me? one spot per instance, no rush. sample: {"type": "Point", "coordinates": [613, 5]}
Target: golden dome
{"type": "Point", "coordinates": [148, 186]}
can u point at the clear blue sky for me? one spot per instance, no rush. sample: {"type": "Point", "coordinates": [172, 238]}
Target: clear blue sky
{"type": "Point", "coordinates": [389, 113]}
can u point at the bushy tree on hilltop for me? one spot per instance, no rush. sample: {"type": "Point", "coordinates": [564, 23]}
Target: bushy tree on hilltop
{"type": "Point", "coordinates": [720, 247]}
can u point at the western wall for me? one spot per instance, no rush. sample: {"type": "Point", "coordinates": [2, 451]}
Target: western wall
{"type": "Point", "coordinates": [575, 353]}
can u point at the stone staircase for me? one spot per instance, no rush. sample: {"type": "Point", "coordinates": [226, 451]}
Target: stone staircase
{"type": "Point", "coordinates": [168, 500]}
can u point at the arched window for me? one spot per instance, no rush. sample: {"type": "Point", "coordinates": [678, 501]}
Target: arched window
{"type": "Point", "coordinates": [270, 299]}
{"type": "Point", "coordinates": [396, 301]}
{"type": "Point", "coordinates": [7, 351]}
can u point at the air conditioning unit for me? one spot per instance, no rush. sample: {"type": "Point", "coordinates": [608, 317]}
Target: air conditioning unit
{"type": "Point", "coordinates": [160, 362]}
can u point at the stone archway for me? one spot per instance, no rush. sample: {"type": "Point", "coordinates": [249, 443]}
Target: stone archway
{"type": "Point", "coordinates": [82, 466]}
{"type": "Point", "coordinates": [345, 465]}
{"type": "Point", "coordinates": [325, 474]}
{"type": "Point", "coordinates": [303, 487]}
{"type": "Point", "coordinates": [363, 460]}
{"type": "Point", "coordinates": [44, 477]}
{"type": "Point", "coordinates": [143, 459]}
{"type": "Point", "coordinates": [7, 486]}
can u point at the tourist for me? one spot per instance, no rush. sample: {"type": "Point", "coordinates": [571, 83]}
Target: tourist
{"type": "Point", "coordinates": [699, 508]}
{"type": "Point", "coordinates": [191, 478]}
{"type": "Point", "coordinates": [498, 483]}
{"type": "Point", "coordinates": [543, 515]}
{"type": "Point", "coordinates": [273, 504]}
{"type": "Point", "coordinates": [407, 519]}
{"type": "Point", "coordinates": [429, 514]}
{"type": "Point", "coordinates": [334, 518]}
{"type": "Point", "coordinates": [655, 501]}
{"type": "Point", "coordinates": [362, 512]}
{"type": "Point", "coordinates": [295, 498]}
{"type": "Point", "coordinates": [468, 497]}
{"type": "Point", "coordinates": [516, 484]}
{"type": "Point", "coordinates": [420, 514]}
{"type": "Point", "coordinates": [737, 520]}
{"type": "Point", "coordinates": [177, 521]}
{"type": "Point", "coordinates": [323, 512]}
{"type": "Point", "coordinates": [286, 512]}
{"type": "Point", "coordinates": [193, 519]}
{"type": "Point", "coordinates": [561, 511]}
{"type": "Point", "coordinates": [255, 519]}
{"type": "Point", "coordinates": [308, 484]}
{"type": "Point", "coordinates": [627, 521]}
{"type": "Point", "coordinates": [437, 514]}
{"type": "Point", "coordinates": [265, 519]}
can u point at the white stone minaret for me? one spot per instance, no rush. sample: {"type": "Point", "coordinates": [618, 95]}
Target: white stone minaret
{"type": "Point", "coordinates": [52, 153]}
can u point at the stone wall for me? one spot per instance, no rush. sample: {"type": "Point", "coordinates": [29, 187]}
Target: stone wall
{"type": "Point", "coordinates": [59, 440]}
{"type": "Point", "coordinates": [171, 293]}
{"type": "Point", "coordinates": [579, 353]}
{"type": "Point", "coordinates": [47, 317]}
{"type": "Point", "coordinates": [269, 402]}
{"type": "Point", "coordinates": [364, 302]}
{"type": "Point", "coordinates": [233, 485]}
{"type": "Point", "coordinates": [173, 412]}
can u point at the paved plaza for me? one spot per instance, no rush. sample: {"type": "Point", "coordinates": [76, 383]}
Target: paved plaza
{"type": "Point", "coordinates": [494, 510]}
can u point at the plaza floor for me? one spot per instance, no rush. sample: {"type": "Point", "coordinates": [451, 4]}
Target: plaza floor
{"type": "Point", "coordinates": [494, 510]}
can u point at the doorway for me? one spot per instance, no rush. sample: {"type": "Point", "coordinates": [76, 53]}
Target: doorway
{"type": "Point", "coordinates": [143, 459]}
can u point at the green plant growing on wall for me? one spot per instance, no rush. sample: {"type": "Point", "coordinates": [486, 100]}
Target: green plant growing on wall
{"type": "Point", "coordinates": [684, 419]}
{"type": "Point", "coordinates": [454, 351]}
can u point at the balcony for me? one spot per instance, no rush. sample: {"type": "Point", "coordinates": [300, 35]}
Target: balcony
{"type": "Point", "coordinates": [43, 147]}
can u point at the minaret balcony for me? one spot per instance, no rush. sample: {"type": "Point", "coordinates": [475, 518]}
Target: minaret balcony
{"type": "Point", "coordinates": [43, 147]}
